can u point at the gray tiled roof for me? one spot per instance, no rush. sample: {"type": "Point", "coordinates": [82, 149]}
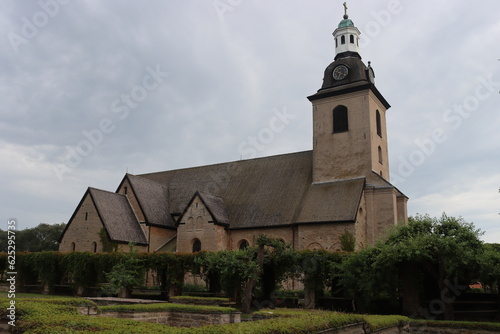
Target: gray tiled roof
{"type": "Point", "coordinates": [153, 199]}
{"type": "Point", "coordinates": [118, 217]}
{"type": "Point", "coordinates": [262, 192]}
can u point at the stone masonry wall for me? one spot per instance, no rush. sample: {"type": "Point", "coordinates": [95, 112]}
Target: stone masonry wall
{"type": "Point", "coordinates": [178, 319]}
{"type": "Point", "coordinates": [197, 225]}
{"type": "Point", "coordinates": [83, 230]}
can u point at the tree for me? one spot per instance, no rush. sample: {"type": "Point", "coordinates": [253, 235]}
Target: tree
{"type": "Point", "coordinates": [446, 249]}
{"type": "Point", "coordinates": [490, 267]}
{"type": "Point", "coordinates": [44, 237]}
{"type": "Point", "coordinates": [127, 273]}
{"type": "Point", "coordinates": [238, 271]}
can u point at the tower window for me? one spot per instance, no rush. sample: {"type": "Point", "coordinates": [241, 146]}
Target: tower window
{"type": "Point", "coordinates": [380, 155]}
{"type": "Point", "coordinates": [336, 42]}
{"type": "Point", "coordinates": [342, 39]}
{"type": "Point", "coordinates": [351, 39]}
{"type": "Point", "coordinates": [196, 246]}
{"type": "Point", "coordinates": [340, 119]}
{"type": "Point", "coordinates": [379, 124]}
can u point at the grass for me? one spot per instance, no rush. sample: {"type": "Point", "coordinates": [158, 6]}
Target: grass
{"type": "Point", "coordinates": [167, 307]}
{"type": "Point", "coordinates": [4, 294]}
{"type": "Point", "coordinates": [217, 299]}
{"type": "Point", "coordinates": [42, 315]}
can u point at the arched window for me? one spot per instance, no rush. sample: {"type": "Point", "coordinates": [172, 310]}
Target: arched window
{"type": "Point", "coordinates": [351, 39]}
{"type": "Point", "coordinates": [199, 223]}
{"type": "Point", "coordinates": [379, 124]}
{"type": "Point", "coordinates": [340, 119]}
{"type": "Point", "coordinates": [336, 42]}
{"type": "Point", "coordinates": [342, 39]}
{"type": "Point", "coordinates": [73, 247]}
{"type": "Point", "coordinates": [94, 247]}
{"type": "Point", "coordinates": [196, 246]}
{"type": "Point", "coordinates": [380, 155]}
{"type": "Point", "coordinates": [190, 224]}
{"type": "Point", "coordinates": [243, 244]}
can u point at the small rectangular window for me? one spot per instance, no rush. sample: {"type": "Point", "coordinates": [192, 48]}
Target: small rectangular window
{"type": "Point", "coordinates": [340, 119]}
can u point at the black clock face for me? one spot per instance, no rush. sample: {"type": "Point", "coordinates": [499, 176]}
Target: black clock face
{"type": "Point", "coordinates": [340, 72]}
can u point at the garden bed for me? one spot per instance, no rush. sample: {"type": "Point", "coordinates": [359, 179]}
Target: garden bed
{"type": "Point", "coordinates": [59, 315]}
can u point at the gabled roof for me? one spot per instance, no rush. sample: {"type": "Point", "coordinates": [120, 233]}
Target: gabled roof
{"type": "Point", "coordinates": [214, 205]}
{"type": "Point", "coordinates": [117, 216]}
{"type": "Point", "coordinates": [153, 200]}
{"type": "Point", "coordinates": [332, 201]}
{"type": "Point", "coordinates": [263, 192]}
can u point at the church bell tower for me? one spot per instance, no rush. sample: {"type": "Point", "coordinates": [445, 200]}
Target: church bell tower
{"type": "Point", "coordinates": [349, 123]}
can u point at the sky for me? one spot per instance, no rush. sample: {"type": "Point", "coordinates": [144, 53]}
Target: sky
{"type": "Point", "coordinates": [92, 90]}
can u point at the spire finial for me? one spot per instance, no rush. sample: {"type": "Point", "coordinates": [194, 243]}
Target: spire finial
{"type": "Point", "coordinates": [345, 11]}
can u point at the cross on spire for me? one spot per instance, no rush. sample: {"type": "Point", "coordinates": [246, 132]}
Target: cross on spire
{"type": "Point", "coordinates": [345, 11]}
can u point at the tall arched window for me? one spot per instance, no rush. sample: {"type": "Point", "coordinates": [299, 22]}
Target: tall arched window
{"type": "Point", "coordinates": [73, 246]}
{"type": "Point", "coordinates": [380, 155]}
{"type": "Point", "coordinates": [190, 224]}
{"type": "Point", "coordinates": [342, 39]}
{"type": "Point", "coordinates": [379, 124]}
{"type": "Point", "coordinates": [351, 39]}
{"type": "Point", "coordinates": [196, 246]}
{"type": "Point", "coordinates": [340, 119]}
{"type": "Point", "coordinates": [199, 223]}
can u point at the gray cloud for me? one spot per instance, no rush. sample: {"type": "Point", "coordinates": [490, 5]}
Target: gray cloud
{"type": "Point", "coordinates": [227, 72]}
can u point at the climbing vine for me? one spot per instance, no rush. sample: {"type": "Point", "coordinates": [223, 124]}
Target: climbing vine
{"type": "Point", "coordinates": [107, 245]}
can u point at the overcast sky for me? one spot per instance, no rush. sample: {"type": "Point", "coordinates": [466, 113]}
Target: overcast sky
{"type": "Point", "coordinates": [93, 89]}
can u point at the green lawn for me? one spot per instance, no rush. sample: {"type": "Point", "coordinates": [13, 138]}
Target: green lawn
{"type": "Point", "coordinates": [4, 294]}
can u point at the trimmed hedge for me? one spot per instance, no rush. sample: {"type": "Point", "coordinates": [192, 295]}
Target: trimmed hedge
{"type": "Point", "coordinates": [195, 298]}
{"type": "Point", "coordinates": [376, 322]}
{"type": "Point", "coordinates": [160, 307]}
{"type": "Point", "coordinates": [490, 326]}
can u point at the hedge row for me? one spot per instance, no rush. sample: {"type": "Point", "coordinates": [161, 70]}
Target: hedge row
{"type": "Point", "coordinates": [84, 269]}
{"type": "Point", "coordinates": [88, 269]}
{"type": "Point", "coordinates": [45, 316]}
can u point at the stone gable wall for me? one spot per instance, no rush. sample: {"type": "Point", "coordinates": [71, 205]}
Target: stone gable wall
{"type": "Point", "coordinates": [197, 224]}
{"type": "Point", "coordinates": [84, 229]}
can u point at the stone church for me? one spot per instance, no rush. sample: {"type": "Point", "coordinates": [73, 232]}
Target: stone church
{"type": "Point", "coordinates": [309, 199]}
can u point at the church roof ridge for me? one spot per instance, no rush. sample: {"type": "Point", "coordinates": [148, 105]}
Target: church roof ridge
{"type": "Point", "coordinates": [277, 156]}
